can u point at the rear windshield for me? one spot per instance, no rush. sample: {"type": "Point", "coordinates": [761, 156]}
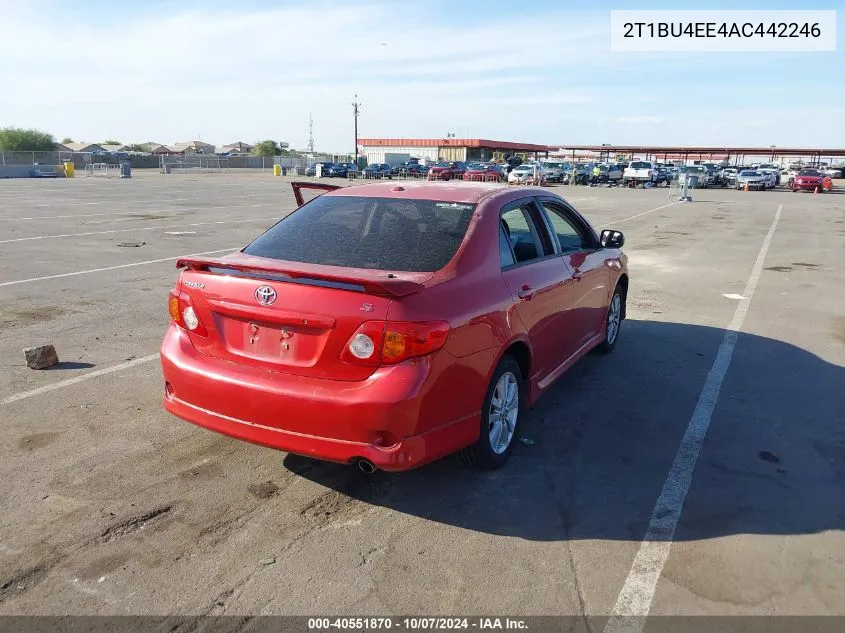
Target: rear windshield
{"type": "Point", "coordinates": [378, 233]}
{"type": "Point", "coordinates": [639, 165]}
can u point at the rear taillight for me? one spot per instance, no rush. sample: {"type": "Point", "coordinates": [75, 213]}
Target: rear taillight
{"type": "Point", "coordinates": [391, 342]}
{"type": "Point", "coordinates": [184, 315]}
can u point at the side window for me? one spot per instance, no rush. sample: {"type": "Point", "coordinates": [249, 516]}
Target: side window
{"type": "Point", "coordinates": [570, 236]}
{"type": "Point", "coordinates": [523, 235]}
{"type": "Point", "coordinates": [505, 253]}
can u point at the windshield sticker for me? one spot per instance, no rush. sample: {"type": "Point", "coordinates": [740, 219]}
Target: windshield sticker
{"type": "Point", "coordinates": [453, 205]}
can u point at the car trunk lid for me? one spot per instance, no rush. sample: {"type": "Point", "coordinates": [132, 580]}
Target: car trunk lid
{"type": "Point", "coordinates": [286, 316]}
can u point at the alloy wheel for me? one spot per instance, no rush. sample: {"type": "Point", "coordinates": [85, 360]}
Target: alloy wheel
{"type": "Point", "coordinates": [504, 410]}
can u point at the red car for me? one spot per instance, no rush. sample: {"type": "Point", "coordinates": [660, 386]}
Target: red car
{"type": "Point", "coordinates": [390, 325]}
{"type": "Point", "coordinates": [808, 180]}
{"type": "Point", "coordinates": [484, 172]}
{"type": "Point", "coordinates": [447, 170]}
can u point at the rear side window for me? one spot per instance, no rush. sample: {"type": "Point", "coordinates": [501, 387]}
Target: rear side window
{"type": "Point", "coordinates": [378, 233]}
{"type": "Point", "coordinates": [526, 241]}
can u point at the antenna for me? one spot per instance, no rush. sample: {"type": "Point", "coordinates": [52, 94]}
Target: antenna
{"type": "Point", "coordinates": [356, 110]}
{"type": "Point", "coordinates": [310, 134]}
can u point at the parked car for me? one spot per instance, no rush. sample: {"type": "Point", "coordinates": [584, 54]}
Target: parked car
{"type": "Point", "coordinates": [412, 170]}
{"type": "Point", "coordinates": [728, 175]}
{"type": "Point", "coordinates": [787, 176]}
{"type": "Point", "coordinates": [555, 170]}
{"type": "Point", "coordinates": [753, 178]}
{"type": "Point", "coordinates": [610, 173]}
{"type": "Point", "coordinates": [484, 172]}
{"type": "Point", "coordinates": [639, 171]}
{"type": "Point", "coordinates": [342, 170]}
{"type": "Point", "coordinates": [527, 174]}
{"type": "Point", "coordinates": [447, 170]}
{"type": "Point", "coordinates": [661, 174]}
{"type": "Point", "coordinates": [349, 330]}
{"type": "Point", "coordinates": [312, 169]}
{"type": "Point", "coordinates": [377, 170]}
{"type": "Point", "coordinates": [695, 176]}
{"type": "Point", "coordinates": [581, 173]}
{"type": "Point", "coordinates": [809, 180]}
{"type": "Point", "coordinates": [773, 176]}
{"type": "Point", "coordinates": [832, 172]}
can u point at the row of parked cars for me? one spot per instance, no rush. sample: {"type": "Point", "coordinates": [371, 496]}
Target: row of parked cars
{"type": "Point", "coordinates": [648, 173]}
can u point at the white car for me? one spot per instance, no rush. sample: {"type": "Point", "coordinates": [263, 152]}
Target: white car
{"type": "Point", "coordinates": [527, 174]}
{"type": "Point", "coordinates": [639, 171]}
{"type": "Point", "coordinates": [832, 172]}
{"type": "Point", "coordinates": [787, 176]}
{"type": "Point", "coordinates": [772, 176]}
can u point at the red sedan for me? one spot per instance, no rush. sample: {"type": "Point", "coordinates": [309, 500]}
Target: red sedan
{"type": "Point", "coordinates": [808, 180]}
{"type": "Point", "coordinates": [484, 172]}
{"type": "Point", "coordinates": [447, 170]}
{"type": "Point", "coordinates": [390, 325]}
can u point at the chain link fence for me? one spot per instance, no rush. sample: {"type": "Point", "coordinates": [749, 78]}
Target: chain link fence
{"type": "Point", "coordinates": [79, 159]}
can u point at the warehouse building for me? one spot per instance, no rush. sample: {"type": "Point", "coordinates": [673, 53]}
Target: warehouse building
{"type": "Point", "coordinates": [396, 150]}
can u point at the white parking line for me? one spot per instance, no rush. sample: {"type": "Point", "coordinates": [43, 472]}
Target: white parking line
{"type": "Point", "coordinates": [142, 228]}
{"type": "Point", "coordinates": [634, 601]}
{"type": "Point", "coordinates": [662, 206]}
{"type": "Point", "coordinates": [99, 270]}
{"type": "Point", "coordinates": [68, 202]}
{"type": "Point", "coordinates": [78, 379]}
{"type": "Point", "coordinates": [198, 207]}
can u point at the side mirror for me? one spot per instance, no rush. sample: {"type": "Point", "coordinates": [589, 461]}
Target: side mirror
{"type": "Point", "coordinates": [612, 239]}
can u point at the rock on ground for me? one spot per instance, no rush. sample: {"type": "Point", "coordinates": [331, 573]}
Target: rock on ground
{"type": "Point", "coordinates": [41, 357]}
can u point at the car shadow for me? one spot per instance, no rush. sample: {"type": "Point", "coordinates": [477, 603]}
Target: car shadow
{"type": "Point", "coordinates": [600, 443]}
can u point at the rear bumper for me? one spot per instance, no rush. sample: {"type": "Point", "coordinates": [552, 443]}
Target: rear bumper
{"type": "Point", "coordinates": [331, 420]}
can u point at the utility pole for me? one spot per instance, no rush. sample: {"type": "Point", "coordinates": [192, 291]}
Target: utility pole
{"type": "Point", "coordinates": [355, 112]}
{"type": "Point", "coordinates": [310, 134]}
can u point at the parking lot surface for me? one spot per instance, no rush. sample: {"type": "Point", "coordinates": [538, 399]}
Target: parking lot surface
{"type": "Point", "coordinates": [111, 506]}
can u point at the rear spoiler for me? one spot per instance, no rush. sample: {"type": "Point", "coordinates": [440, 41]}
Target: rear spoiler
{"type": "Point", "coordinates": [318, 186]}
{"type": "Point", "coordinates": [386, 287]}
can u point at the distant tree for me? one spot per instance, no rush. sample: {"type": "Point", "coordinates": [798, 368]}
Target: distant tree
{"type": "Point", "coordinates": [266, 148]}
{"type": "Point", "coordinates": [14, 139]}
{"type": "Point", "coordinates": [136, 147]}
{"type": "Point", "coordinates": [112, 143]}
{"type": "Point", "coordinates": [67, 140]}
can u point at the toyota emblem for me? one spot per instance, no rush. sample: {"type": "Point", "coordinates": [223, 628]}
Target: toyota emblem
{"type": "Point", "coordinates": [265, 295]}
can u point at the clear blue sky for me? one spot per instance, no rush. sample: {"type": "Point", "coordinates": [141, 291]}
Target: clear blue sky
{"type": "Point", "coordinates": [533, 71]}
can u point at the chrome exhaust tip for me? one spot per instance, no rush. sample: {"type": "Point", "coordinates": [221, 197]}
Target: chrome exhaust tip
{"type": "Point", "coordinates": [366, 466]}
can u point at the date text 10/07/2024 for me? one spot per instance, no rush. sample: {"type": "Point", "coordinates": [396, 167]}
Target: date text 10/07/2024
{"type": "Point", "coordinates": [418, 624]}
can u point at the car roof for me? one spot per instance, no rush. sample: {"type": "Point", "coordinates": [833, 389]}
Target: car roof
{"type": "Point", "coordinates": [457, 191]}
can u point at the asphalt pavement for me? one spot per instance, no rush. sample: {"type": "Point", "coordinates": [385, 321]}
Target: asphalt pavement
{"type": "Point", "coordinates": [719, 415]}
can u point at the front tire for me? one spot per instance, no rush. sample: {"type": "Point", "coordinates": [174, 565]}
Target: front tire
{"type": "Point", "coordinates": [500, 414]}
{"type": "Point", "coordinates": [613, 321]}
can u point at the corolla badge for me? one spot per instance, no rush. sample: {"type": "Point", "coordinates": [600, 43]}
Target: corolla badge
{"type": "Point", "coordinates": [265, 295]}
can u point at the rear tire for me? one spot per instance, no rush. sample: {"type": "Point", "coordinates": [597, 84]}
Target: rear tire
{"type": "Point", "coordinates": [613, 321]}
{"type": "Point", "coordinates": [500, 416]}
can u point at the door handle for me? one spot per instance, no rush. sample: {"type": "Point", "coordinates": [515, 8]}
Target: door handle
{"type": "Point", "coordinates": [526, 293]}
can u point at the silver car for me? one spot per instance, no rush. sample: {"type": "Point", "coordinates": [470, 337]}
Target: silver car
{"type": "Point", "coordinates": [754, 180]}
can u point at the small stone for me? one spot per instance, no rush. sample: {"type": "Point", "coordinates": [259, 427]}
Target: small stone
{"type": "Point", "coordinates": [527, 441]}
{"type": "Point", "coordinates": [268, 561]}
{"type": "Point", "coordinates": [41, 357]}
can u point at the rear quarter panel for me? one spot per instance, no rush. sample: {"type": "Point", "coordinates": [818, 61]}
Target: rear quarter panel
{"type": "Point", "coordinates": [471, 295]}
